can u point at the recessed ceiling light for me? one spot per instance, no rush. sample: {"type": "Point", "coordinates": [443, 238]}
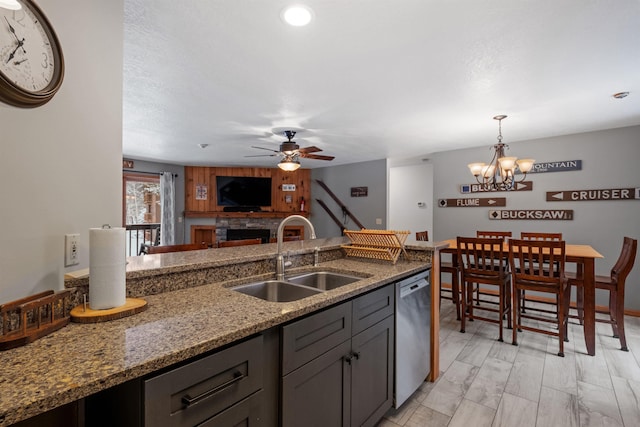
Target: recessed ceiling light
{"type": "Point", "coordinates": [620, 95]}
{"type": "Point", "coordinates": [203, 146]}
{"type": "Point", "coordinates": [297, 15]}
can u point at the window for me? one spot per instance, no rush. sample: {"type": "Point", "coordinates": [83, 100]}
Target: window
{"type": "Point", "coordinates": [141, 210]}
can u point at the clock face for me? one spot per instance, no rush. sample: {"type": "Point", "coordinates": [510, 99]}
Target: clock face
{"type": "Point", "coordinates": [31, 63]}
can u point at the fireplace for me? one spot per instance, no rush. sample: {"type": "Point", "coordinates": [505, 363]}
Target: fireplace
{"type": "Point", "coordinates": [249, 233]}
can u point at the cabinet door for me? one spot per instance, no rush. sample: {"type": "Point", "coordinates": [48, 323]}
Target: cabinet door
{"type": "Point", "coordinates": [306, 339]}
{"type": "Point", "coordinates": [372, 373]}
{"type": "Point", "coordinates": [317, 394]}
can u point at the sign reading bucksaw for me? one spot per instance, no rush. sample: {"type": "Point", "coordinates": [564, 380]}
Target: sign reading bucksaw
{"type": "Point", "coordinates": [586, 195]}
{"type": "Point", "coordinates": [533, 214]}
{"type": "Point", "coordinates": [477, 188]}
{"type": "Point", "coordinates": [472, 203]}
{"type": "Point", "coordinates": [558, 166]}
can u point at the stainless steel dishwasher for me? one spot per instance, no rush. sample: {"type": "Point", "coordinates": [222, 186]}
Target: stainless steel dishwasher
{"type": "Point", "coordinates": [413, 334]}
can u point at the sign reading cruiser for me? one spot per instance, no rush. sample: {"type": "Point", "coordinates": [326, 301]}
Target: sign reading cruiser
{"type": "Point", "coordinates": [588, 195]}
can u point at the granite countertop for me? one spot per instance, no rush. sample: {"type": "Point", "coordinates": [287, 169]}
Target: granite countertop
{"type": "Point", "coordinates": [82, 359]}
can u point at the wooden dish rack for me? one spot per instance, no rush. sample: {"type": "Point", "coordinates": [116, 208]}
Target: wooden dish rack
{"type": "Point", "coordinates": [384, 245]}
{"type": "Point", "coordinates": [27, 319]}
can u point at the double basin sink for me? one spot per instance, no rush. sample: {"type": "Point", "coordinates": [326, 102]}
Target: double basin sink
{"type": "Point", "coordinates": [296, 287]}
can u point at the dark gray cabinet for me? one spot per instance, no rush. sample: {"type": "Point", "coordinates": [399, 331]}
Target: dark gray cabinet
{"type": "Point", "coordinates": [338, 364]}
{"type": "Point", "coordinates": [235, 386]}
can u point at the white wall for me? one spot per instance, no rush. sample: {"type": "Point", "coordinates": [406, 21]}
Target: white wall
{"type": "Point", "coordinates": [60, 164]}
{"type": "Point", "coordinates": [609, 160]}
{"type": "Point", "coordinates": [411, 199]}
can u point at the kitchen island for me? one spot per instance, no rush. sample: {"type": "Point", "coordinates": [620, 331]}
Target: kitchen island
{"type": "Point", "coordinates": [190, 312]}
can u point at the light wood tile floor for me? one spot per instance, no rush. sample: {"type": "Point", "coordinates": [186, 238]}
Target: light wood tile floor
{"type": "Point", "coordinates": [484, 382]}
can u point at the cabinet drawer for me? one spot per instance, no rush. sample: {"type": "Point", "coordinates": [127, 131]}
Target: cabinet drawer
{"type": "Point", "coordinates": [247, 413]}
{"type": "Point", "coordinates": [308, 338]}
{"type": "Point", "coordinates": [199, 390]}
{"type": "Point", "coordinates": [371, 308]}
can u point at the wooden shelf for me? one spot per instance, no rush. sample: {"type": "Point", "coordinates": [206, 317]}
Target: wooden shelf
{"type": "Point", "coordinates": [211, 214]}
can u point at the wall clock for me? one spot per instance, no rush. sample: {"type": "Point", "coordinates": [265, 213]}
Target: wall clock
{"type": "Point", "coordinates": [31, 61]}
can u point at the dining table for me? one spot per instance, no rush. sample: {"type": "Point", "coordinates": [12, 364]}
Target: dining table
{"type": "Point", "coordinates": [584, 257]}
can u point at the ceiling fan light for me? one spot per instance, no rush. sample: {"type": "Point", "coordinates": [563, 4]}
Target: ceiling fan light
{"type": "Point", "coordinates": [10, 4]}
{"type": "Point", "coordinates": [289, 165]}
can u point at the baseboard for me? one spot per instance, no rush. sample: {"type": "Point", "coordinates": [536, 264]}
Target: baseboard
{"type": "Point", "coordinates": [536, 298]}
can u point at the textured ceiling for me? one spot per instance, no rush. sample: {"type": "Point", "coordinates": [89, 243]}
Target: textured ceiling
{"type": "Point", "coordinates": [371, 79]}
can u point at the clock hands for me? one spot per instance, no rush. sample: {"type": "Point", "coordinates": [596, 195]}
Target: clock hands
{"type": "Point", "coordinates": [13, 31]}
{"type": "Point", "coordinates": [21, 61]}
{"type": "Point", "coordinates": [20, 43]}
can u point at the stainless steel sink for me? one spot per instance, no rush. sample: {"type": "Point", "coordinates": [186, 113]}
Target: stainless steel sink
{"type": "Point", "coordinates": [324, 280]}
{"type": "Point", "coordinates": [276, 290]}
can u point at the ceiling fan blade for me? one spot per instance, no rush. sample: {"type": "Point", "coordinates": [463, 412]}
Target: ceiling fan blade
{"type": "Point", "coordinates": [263, 155]}
{"type": "Point", "coordinates": [312, 149]}
{"type": "Point", "coordinates": [316, 156]}
{"type": "Point", "coordinates": [263, 148]}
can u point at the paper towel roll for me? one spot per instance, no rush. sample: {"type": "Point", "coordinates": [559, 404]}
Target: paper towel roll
{"type": "Point", "coordinates": [107, 268]}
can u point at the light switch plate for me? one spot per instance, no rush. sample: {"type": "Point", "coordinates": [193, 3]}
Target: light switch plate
{"type": "Point", "coordinates": [71, 250]}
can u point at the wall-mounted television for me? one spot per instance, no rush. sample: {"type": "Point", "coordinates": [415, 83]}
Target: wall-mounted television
{"type": "Point", "coordinates": [243, 191]}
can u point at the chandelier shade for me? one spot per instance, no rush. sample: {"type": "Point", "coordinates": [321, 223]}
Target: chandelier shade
{"type": "Point", "coordinates": [499, 174]}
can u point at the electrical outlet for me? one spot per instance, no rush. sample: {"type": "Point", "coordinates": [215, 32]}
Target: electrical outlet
{"type": "Point", "coordinates": [71, 250]}
{"type": "Point", "coordinates": [378, 221]}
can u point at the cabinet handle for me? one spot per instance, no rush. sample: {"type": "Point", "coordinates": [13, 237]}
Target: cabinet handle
{"type": "Point", "coordinates": [348, 358]}
{"type": "Point", "coordinates": [356, 355]}
{"type": "Point", "coordinates": [188, 400]}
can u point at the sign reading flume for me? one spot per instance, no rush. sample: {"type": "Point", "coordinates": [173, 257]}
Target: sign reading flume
{"type": "Point", "coordinates": [533, 214]}
{"type": "Point", "coordinates": [472, 203]}
{"type": "Point", "coordinates": [586, 195]}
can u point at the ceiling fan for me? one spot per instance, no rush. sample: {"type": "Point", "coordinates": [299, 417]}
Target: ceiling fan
{"type": "Point", "coordinates": [290, 151]}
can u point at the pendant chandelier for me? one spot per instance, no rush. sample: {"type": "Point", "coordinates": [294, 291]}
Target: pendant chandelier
{"type": "Point", "coordinates": [499, 174]}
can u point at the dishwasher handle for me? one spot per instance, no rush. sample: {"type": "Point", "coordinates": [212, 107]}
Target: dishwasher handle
{"type": "Point", "coordinates": [412, 287]}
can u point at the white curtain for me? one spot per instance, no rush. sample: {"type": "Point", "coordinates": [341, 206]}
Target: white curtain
{"type": "Point", "coordinates": [167, 198]}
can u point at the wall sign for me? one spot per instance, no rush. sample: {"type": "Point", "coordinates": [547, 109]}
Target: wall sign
{"type": "Point", "coordinates": [288, 187]}
{"type": "Point", "coordinates": [532, 214]}
{"type": "Point", "coordinates": [558, 166]}
{"type": "Point", "coordinates": [472, 203]}
{"type": "Point", "coordinates": [201, 192]}
{"type": "Point", "coordinates": [586, 195]}
{"type": "Point", "coordinates": [127, 164]}
{"type": "Point", "coordinates": [477, 188]}
{"type": "Point", "coordinates": [359, 191]}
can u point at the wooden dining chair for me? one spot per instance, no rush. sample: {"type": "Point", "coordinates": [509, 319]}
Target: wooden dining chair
{"type": "Point", "coordinates": [529, 235]}
{"type": "Point", "coordinates": [481, 262]}
{"type": "Point", "coordinates": [242, 242]}
{"type": "Point", "coordinates": [176, 248]}
{"type": "Point", "coordinates": [422, 236]}
{"type": "Point", "coordinates": [615, 285]}
{"type": "Point", "coordinates": [491, 235]}
{"type": "Point", "coordinates": [494, 234]}
{"type": "Point", "coordinates": [525, 259]}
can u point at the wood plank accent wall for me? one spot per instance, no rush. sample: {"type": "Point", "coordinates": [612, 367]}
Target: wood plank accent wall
{"type": "Point", "coordinates": [201, 175]}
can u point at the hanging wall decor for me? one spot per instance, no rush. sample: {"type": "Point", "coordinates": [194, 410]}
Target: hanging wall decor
{"type": "Point", "coordinates": [472, 203]}
{"type": "Point", "coordinates": [533, 214]}
{"type": "Point", "coordinates": [591, 195]}
{"type": "Point", "coordinates": [557, 166]}
{"type": "Point", "coordinates": [478, 188]}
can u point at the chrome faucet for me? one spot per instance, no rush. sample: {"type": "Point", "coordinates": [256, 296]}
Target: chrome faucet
{"type": "Point", "coordinates": [280, 264]}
